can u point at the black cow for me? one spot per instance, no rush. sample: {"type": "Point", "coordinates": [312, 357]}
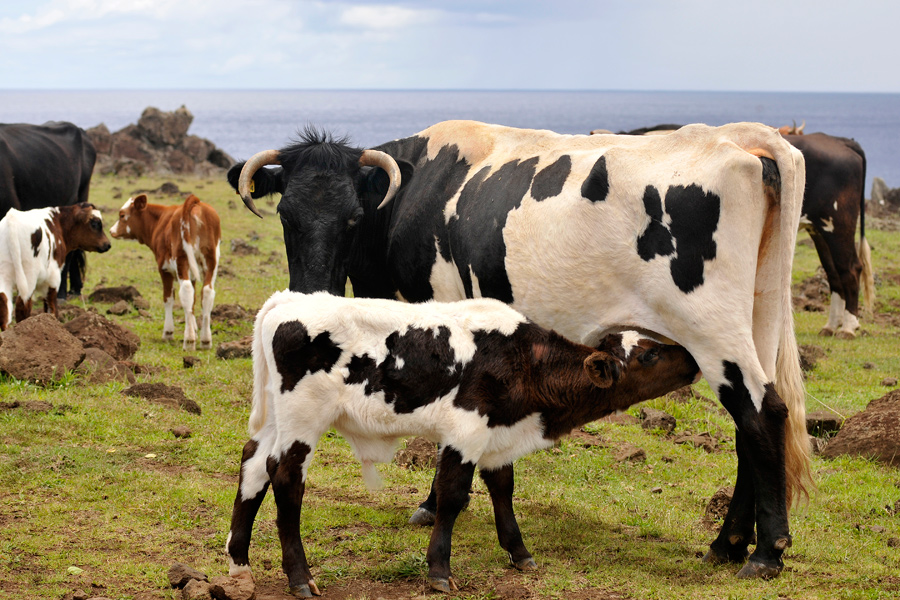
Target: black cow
{"type": "Point", "coordinates": [43, 166]}
{"type": "Point", "coordinates": [833, 199]}
{"type": "Point", "coordinates": [689, 236]}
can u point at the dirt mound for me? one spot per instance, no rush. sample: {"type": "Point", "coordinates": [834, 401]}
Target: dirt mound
{"type": "Point", "coordinates": [241, 348]}
{"type": "Point", "coordinates": [96, 331]}
{"type": "Point", "coordinates": [419, 453]}
{"type": "Point", "coordinates": [230, 312]}
{"type": "Point", "coordinates": [872, 433]}
{"type": "Point", "coordinates": [111, 295]}
{"type": "Point", "coordinates": [813, 294]}
{"type": "Point", "coordinates": [167, 395]}
{"type": "Point", "coordinates": [159, 144]}
{"type": "Point", "coordinates": [100, 367]}
{"type": "Point", "coordinates": [39, 349]}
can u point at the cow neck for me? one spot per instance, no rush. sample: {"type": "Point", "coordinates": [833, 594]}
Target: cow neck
{"type": "Point", "coordinates": [150, 218]}
{"type": "Point", "coordinates": [367, 267]}
{"type": "Point", "coordinates": [60, 224]}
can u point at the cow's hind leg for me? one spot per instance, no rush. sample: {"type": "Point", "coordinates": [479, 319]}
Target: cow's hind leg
{"type": "Point", "coordinates": [287, 475]}
{"type": "Point", "coordinates": [5, 309]}
{"type": "Point", "coordinates": [252, 486]}
{"type": "Point", "coordinates": [168, 281]}
{"type": "Point", "coordinates": [500, 485]}
{"type": "Point", "coordinates": [206, 305]}
{"type": "Point", "coordinates": [740, 521]}
{"type": "Point", "coordinates": [454, 479]}
{"type": "Point", "coordinates": [762, 430]}
{"type": "Point", "coordinates": [186, 295]}
{"type": "Point", "coordinates": [424, 514]}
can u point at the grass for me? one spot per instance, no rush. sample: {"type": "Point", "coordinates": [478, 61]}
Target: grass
{"type": "Point", "coordinates": [100, 483]}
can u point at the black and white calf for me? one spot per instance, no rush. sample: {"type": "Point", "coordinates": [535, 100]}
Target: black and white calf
{"type": "Point", "coordinates": [475, 376]}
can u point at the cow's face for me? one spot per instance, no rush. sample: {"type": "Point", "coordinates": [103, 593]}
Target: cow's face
{"type": "Point", "coordinates": [130, 218]}
{"type": "Point", "coordinates": [320, 212]}
{"type": "Point", "coordinates": [640, 368]}
{"type": "Point", "coordinates": [87, 233]}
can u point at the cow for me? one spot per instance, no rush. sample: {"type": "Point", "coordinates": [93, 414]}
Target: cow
{"type": "Point", "coordinates": [833, 198]}
{"type": "Point", "coordinates": [688, 236]}
{"type": "Point", "coordinates": [43, 166]}
{"type": "Point", "coordinates": [184, 239]}
{"type": "Point", "coordinates": [33, 249]}
{"type": "Point", "coordinates": [474, 375]}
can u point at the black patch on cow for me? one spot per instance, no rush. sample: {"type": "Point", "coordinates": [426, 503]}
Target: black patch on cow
{"type": "Point", "coordinates": [596, 187]}
{"type": "Point", "coordinates": [476, 231]}
{"type": "Point", "coordinates": [363, 369]}
{"type": "Point", "coordinates": [656, 239]}
{"type": "Point", "coordinates": [550, 180]}
{"type": "Point", "coordinates": [694, 218]}
{"type": "Point", "coordinates": [296, 355]}
{"type": "Point", "coordinates": [36, 238]}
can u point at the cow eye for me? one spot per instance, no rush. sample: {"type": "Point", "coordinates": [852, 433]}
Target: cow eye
{"type": "Point", "coordinates": [649, 357]}
{"type": "Point", "coordinates": [96, 225]}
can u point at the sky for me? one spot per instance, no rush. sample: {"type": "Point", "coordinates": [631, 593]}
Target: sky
{"type": "Point", "coordinates": [758, 45]}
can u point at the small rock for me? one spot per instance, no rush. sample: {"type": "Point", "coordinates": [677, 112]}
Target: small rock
{"type": "Point", "coordinates": [657, 419]}
{"type": "Point", "coordinates": [893, 542]}
{"type": "Point", "coordinates": [119, 308]}
{"type": "Point", "coordinates": [656, 490]}
{"type": "Point", "coordinates": [242, 248]}
{"type": "Point", "coordinates": [180, 574]}
{"type": "Point", "coordinates": [144, 314]}
{"type": "Point", "coordinates": [196, 590]}
{"type": "Point", "coordinates": [232, 588]}
{"type": "Point", "coordinates": [889, 382]}
{"type": "Point", "coordinates": [76, 595]}
{"type": "Point", "coordinates": [181, 432]}
{"type": "Point", "coordinates": [141, 303]}
{"type": "Point", "coordinates": [702, 440]}
{"type": "Point", "coordinates": [620, 418]}
{"type": "Point", "coordinates": [630, 453]}
{"type": "Point", "coordinates": [719, 503]}
{"type": "Point", "coordinates": [241, 348]}
{"type": "Point", "coordinates": [868, 365]}
{"type": "Point", "coordinates": [877, 529]}
{"type": "Point", "coordinates": [809, 356]}
{"type": "Point", "coordinates": [191, 361]}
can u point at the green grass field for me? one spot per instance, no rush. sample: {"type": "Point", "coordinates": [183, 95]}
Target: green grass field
{"type": "Point", "coordinates": [100, 483]}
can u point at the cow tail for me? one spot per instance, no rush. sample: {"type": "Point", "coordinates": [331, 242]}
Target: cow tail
{"type": "Point", "coordinates": [789, 377]}
{"type": "Point", "coordinates": [261, 376]}
{"type": "Point", "coordinates": [863, 250]}
{"type": "Point", "coordinates": [187, 237]}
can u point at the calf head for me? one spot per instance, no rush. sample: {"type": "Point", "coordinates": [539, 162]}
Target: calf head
{"type": "Point", "coordinates": [83, 228]}
{"type": "Point", "coordinates": [638, 368]}
{"type": "Point", "coordinates": [130, 225]}
{"type": "Point", "coordinates": [320, 180]}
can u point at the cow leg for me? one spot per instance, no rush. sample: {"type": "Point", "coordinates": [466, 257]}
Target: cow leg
{"type": "Point", "coordinates": [206, 306]}
{"type": "Point", "coordinates": [835, 284]}
{"type": "Point", "coordinates": [252, 486]}
{"type": "Point", "coordinates": [288, 477]}
{"type": "Point", "coordinates": [23, 309]}
{"type": "Point", "coordinates": [738, 528]}
{"type": "Point", "coordinates": [186, 295]}
{"type": "Point", "coordinates": [763, 437]}
{"type": "Point", "coordinates": [454, 479]}
{"type": "Point", "coordinates": [6, 308]}
{"type": "Point", "coordinates": [168, 281]}
{"type": "Point", "coordinates": [50, 302]}
{"type": "Point", "coordinates": [424, 514]}
{"type": "Point", "coordinates": [500, 485]}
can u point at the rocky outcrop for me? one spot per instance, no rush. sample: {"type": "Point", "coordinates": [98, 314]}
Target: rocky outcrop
{"type": "Point", "coordinates": [157, 144]}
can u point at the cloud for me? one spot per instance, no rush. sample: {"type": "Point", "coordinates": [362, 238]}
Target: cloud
{"type": "Point", "coordinates": [386, 17]}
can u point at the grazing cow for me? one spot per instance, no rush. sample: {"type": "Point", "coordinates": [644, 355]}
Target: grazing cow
{"type": "Point", "coordinates": [33, 249]}
{"type": "Point", "coordinates": [43, 166]}
{"type": "Point", "coordinates": [833, 198]}
{"type": "Point", "coordinates": [185, 242]}
{"type": "Point", "coordinates": [689, 236]}
{"type": "Point", "coordinates": [474, 376]}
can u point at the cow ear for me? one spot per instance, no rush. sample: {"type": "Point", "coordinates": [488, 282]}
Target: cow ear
{"type": "Point", "coordinates": [602, 369]}
{"type": "Point", "coordinates": [140, 202]}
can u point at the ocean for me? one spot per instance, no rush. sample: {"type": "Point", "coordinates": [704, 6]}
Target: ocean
{"type": "Point", "coordinates": [244, 122]}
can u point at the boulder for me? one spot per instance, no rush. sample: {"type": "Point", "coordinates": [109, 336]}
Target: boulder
{"type": "Point", "coordinates": [180, 574]}
{"type": "Point", "coordinates": [96, 331]}
{"type": "Point", "coordinates": [872, 433]}
{"type": "Point", "coordinates": [39, 349]}
{"type": "Point", "coordinates": [240, 587]}
{"type": "Point", "coordinates": [165, 128]}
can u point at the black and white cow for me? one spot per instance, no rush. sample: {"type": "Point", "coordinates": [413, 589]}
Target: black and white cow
{"type": "Point", "coordinates": [688, 235]}
{"type": "Point", "coordinates": [475, 376]}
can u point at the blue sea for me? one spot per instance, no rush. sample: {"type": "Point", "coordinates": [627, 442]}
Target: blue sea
{"type": "Point", "coordinates": [244, 122]}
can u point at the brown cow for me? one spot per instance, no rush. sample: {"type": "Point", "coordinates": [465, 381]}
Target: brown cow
{"type": "Point", "coordinates": [33, 249]}
{"type": "Point", "coordinates": [185, 241]}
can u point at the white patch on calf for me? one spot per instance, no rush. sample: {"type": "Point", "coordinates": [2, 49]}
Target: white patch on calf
{"type": "Point", "coordinates": [630, 341]}
{"type": "Point", "coordinates": [828, 225]}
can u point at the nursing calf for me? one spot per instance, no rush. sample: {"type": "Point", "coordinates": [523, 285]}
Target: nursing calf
{"type": "Point", "coordinates": [475, 376]}
{"type": "Point", "coordinates": [185, 242]}
{"type": "Point", "coordinates": [33, 249]}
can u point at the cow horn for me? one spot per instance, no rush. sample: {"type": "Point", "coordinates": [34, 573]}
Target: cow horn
{"type": "Point", "coordinates": [377, 158]}
{"type": "Point", "coordinates": [257, 161]}
{"type": "Point", "coordinates": [802, 125]}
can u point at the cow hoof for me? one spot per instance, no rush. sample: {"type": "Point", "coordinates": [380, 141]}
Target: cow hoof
{"type": "Point", "coordinates": [305, 590]}
{"type": "Point", "coordinates": [168, 336]}
{"type": "Point", "coordinates": [422, 516]}
{"type": "Point", "coordinates": [826, 332]}
{"type": "Point", "coordinates": [526, 564]}
{"type": "Point", "coordinates": [757, 570]}
{"type": "Point", "coordinates": [845, 335]}
{"type": "Point", "coordinates": [189, 346]}
{"type": "Point", "coordinates": [440, 584]}
{"type": "Point", "coordinates": [735, 555]}
{"type": "Point", "coordinates": [205, 345]}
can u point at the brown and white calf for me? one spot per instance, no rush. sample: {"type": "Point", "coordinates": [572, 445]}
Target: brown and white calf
{"type": "Point", "coordinates": [185, 242]}
{"type": "Point", "coordinates": [475, 376]}
{"type": "Point", "coordinates": [33, 249]}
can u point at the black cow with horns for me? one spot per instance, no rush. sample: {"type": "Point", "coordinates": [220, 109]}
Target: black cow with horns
{"type": "Point", "coordinates": [688, 236]}
{"type": "Point", "coordinates": [47, 165]}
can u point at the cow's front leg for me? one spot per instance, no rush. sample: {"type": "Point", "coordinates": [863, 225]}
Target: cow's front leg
{"type": "Point", "coordinates": [23, 309]}
{"type": "Point", "coordinates": [454, 479]}
{"type": "Point", "coordinates": [206, 306]}
{"type": "Point", "coordinates": [500, 485]}
{"type": "Point", "coordinates": [168, 281]}
{"type": "Point", "coordinates": [186, 295]}
{"type": "Point", "coordinates": [740, 520]}
{"type": "Point", "coordinates": [763, 438]}
{"type": "Point", "coordinates": [288, 485]}
{"type": "Point", "coordinates": [50, 302]}
{"type": "Point", "coordinates": [424, 514]}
